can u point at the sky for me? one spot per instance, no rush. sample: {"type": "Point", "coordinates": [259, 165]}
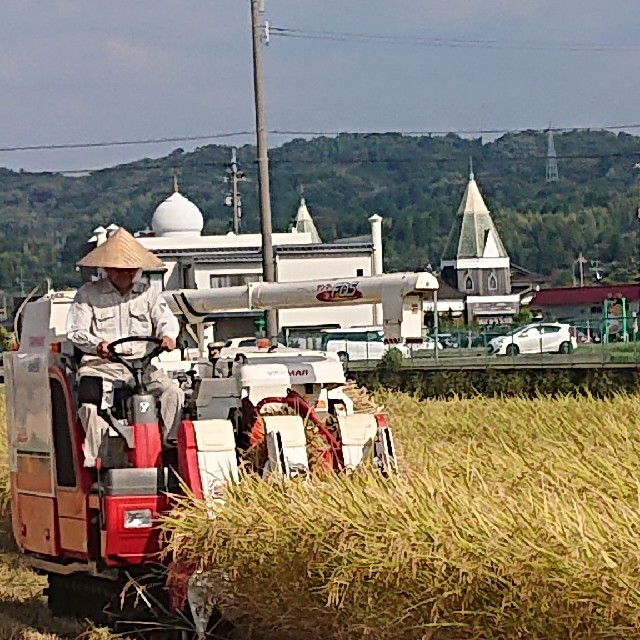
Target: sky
{"type": "Point", "coordinates": [73, 71]}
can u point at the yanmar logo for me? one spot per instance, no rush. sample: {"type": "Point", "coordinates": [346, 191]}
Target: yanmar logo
{"type": "Point", "coordinates": [338, 292]}
{"type": "Point", "coordinates": [294, 373]}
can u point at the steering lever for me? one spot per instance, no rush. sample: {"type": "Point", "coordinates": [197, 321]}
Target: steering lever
{"type": "Point", "coordinates": [136, 372]}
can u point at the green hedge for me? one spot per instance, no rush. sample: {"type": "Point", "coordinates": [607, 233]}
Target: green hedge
{"type": "Point", "coordinates": [596, 381]}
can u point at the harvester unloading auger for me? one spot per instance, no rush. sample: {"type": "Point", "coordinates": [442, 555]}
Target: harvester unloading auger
{"type": "Point", "coordinates": [93, 530]}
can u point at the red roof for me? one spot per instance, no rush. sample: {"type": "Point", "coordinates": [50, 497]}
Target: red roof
{"type": "Point", "coordinates": [596, 294]}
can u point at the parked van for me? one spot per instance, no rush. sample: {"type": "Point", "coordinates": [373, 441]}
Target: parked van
{"type": "Point", "coordinates": [364, 343]}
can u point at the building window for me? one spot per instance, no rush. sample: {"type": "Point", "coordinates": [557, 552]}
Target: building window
{"type": "Point", "coordinates": [359, 273]}
{"type": "Point", "coordinates": [493, 282]}
{"type": "Point", "coordinates": [233, 280]}
{"type": "Point", "coordinates": [468, 283]}
{"type": "Point", "coordinates": [186, 278]}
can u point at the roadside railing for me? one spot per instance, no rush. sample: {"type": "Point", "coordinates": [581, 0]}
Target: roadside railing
{"type": "Point", "coordinates": [610, 342]}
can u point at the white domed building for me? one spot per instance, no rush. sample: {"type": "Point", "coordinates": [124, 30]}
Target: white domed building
{"type": "Point", "coordinates": [176, 217]}
{"type": "Point", "coordinates": [196, 261]}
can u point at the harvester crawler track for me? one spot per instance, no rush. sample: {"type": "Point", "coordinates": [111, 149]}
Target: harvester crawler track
{"type": "Point", "coordinates": [137, 611]}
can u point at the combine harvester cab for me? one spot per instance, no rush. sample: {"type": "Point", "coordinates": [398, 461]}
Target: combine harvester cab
{"type": "Point", "coordinates": [93, 530]}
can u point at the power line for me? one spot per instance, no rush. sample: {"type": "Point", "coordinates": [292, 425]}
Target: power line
{"type": "Point", "coordinates": [119, 143]}
{"type": "Point", "coordinates": [460, 132]}
{"type": "Point", "coordinates": [321, 132]}
{"type": "Point", "coordinates": [506, 158]}
{"type": "Point", "coordinates": [284, 32]}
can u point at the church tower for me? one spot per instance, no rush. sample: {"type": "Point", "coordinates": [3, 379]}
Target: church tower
{"type": "Point", "coordinates": [304, 222]}
{"type": "Point", "coordinates": [474, 260]}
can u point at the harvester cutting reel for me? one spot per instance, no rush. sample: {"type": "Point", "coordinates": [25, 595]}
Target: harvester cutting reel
{"type": "Point", "coordinates": [347, 442]}
{"type": "Point", "coordinates": [343, 442]}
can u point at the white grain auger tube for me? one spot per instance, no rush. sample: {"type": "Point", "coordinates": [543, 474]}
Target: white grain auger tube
{"type": "Point", "coordinates": [400, 294]}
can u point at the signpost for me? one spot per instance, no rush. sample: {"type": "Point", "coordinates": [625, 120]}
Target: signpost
{"type": "Point", "coordinates": [615, 318]}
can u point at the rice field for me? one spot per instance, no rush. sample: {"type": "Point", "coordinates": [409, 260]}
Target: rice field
{"type": "Point", "coordinates": [513, 519]}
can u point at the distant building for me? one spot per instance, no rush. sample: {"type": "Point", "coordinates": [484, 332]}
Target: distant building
{"type": "Point", "coordinates": [475, 262]}
{"type": "Point", "coordinates": [525, 282]}
{"type": "Point", "coordinates": [304, 223]}
{"type": "Point", "coordinates": [450, 300]}
{"type": "Point", "coordinates": [196, 261]}
{"type": "Point", "coordinates": [582, 305]}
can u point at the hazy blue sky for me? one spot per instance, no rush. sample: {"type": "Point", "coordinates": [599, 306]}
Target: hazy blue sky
{"type": "Point", "coordinates": [80, 70]}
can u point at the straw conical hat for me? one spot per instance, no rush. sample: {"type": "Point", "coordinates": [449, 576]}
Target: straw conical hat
{"type": "Point", "coordinates": [121, 251]}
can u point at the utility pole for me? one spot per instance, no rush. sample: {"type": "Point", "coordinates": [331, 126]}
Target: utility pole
{"type": "Point", "coordinates": [268, 268]}
{"type": "Point", "coordinates": [234, 184]}
{"type": "Point", "coordinates": [581, 261]}
{"type": "Point", "coordinates": [637, 278]}
{"type": "Point", "coordinates": [234, 200]}
{"type": "Point", "coordinates": [21, 281]}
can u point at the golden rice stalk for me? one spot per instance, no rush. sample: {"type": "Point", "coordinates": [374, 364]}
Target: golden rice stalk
{"type": "Point", "coordinates": [519, 519]}
{"type": "Point", "coordinates": [5, 492]}
{"type": "Point", "coordinates": [363, 402]}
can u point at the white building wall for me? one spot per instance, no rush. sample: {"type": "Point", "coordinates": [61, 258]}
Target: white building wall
{"type": "Point", "coordinates": [199, 243]}
{"type": "Point", "coordinates": [300, 267]}
{"type": "Point", "coordinates": [203, 272]}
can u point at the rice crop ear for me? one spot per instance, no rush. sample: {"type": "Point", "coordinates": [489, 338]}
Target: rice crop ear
{"type": "Point", "coordinates": [5, 489]}
{"type": "Point", "coordinates": [518, 519]}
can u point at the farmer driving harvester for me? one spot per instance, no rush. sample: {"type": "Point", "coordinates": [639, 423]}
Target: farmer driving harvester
{"type": "Point", "coordinates": [121, 305]}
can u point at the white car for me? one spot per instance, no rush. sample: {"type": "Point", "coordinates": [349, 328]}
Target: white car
{"type": "Point", "coordinates": [543, 337]}
{"type": "Point", "coordinates": [365, 343]}
{"type": "Point", "coordinates": [250, 343]}
{"type": "Point", "coordinates": [234, 343]}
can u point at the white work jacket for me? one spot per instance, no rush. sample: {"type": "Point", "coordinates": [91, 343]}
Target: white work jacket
{"type": "Point", "coordinates": [100, 313]}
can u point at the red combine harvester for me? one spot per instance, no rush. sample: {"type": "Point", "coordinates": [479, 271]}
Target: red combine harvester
{"type": "Point", "coordinates": [92, 531]}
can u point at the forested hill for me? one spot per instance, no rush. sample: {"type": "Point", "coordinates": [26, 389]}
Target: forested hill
{"type": "Point", "coordinates": [415, 183]}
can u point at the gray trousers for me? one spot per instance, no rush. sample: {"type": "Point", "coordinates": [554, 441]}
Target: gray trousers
{"type": "Point", "coordinates": [158, 383]}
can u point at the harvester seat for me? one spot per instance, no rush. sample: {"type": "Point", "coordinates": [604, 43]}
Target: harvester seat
{"type": "Point", "coordinates": [90, 391]}
{"type": "Point", "coordinates": [116, 440]}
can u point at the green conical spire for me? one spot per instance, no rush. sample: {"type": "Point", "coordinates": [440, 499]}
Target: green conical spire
{"type": "Point", "coordinates": [473, 227]}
